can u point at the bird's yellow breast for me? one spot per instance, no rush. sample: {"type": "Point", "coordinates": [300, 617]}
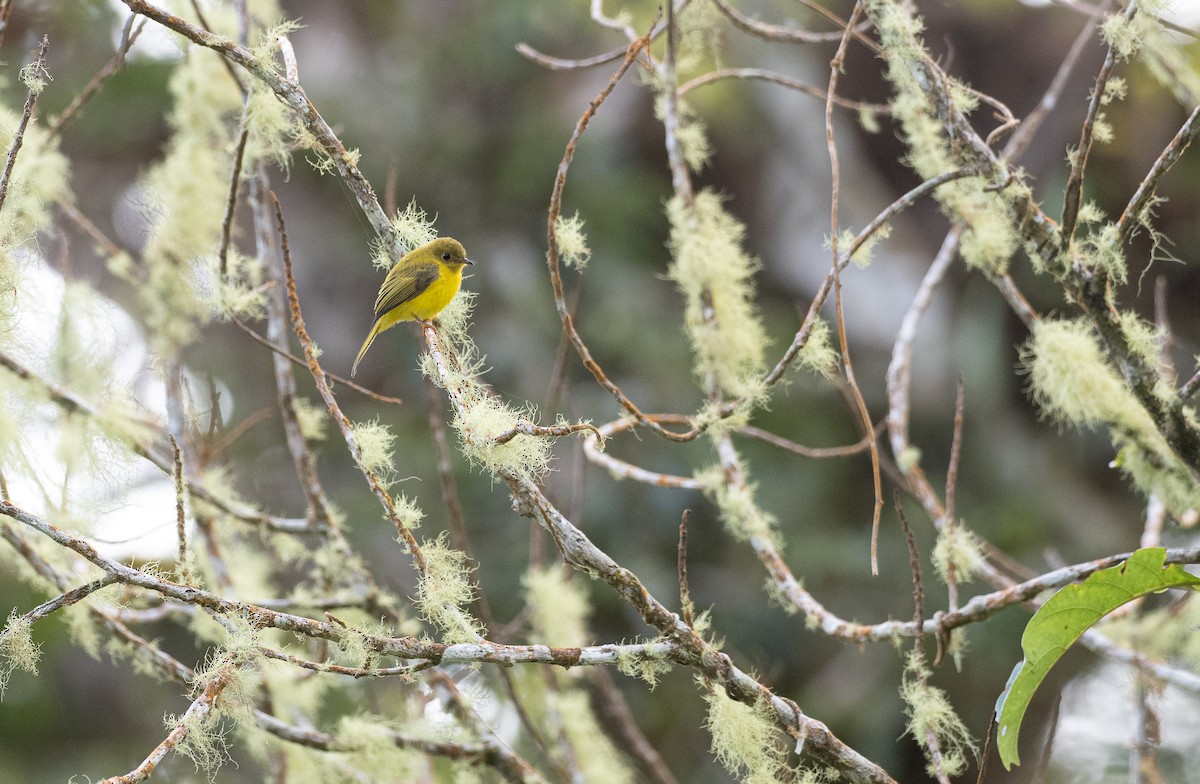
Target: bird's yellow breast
{"type": "Point", "coordinates": [429, 302]}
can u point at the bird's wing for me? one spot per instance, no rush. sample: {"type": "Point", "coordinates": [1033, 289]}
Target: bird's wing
{"type": "Point", "coordinates": [404, 284]}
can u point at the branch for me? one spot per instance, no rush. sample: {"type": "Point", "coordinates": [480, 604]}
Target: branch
{"type": "Point", "coordinates": [33, 72]}
{"type": "Point", "coordinates": [293, 95]}
{"type": "Point", "coordinates": [200, 708]}
{"type": "Point", "coordinates": [690, 648]}
{"type": "Point", "coordinates": [762, 74]}
{"type": "Point", "coordinates": [1134, 212]}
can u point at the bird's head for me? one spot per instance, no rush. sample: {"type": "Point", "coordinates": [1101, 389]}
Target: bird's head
{"type": "Point", "coordinates": [448, 251]}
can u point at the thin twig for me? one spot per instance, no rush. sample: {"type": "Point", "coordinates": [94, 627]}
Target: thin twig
{"type": "Point", "coordinates": [567, 64]}
{"type": "Point", "coordinates": [244, 327]}
{"type": "Point", "coordinates": [899, 376]}
{"type": "Point", "coordinates": [508, 763]}
{"type": "Point", "coordinates": [552, 256]}
{"type": "Point", "coordinates": [403, 529]}
{"type": "Point", "coordinates": [763, 75]}
{"type": "Point", "coordinates": [129, 36]}
{"type": "Point", "coordinates": [6, 7]}
{"type": "Point", "coordinates": [1135, 211]}
{"type": "Point", "coordinates": [693, 650]}
{"type": "Point", "coordinates": [303, 461]}
{"type": "Point", "coordinates": [625, 722]}
{"type": "Point", "coordinates": [625, 470]}
{"type": "Point", "coordinates": [951, 520]}
{"type": "Point", "coordinates": [772, 32]}
{"type": "Point", "coordinates": [810, 451]}
{"type": "Point", "coordinates": [293, 95]}
{"type": "Point", "coordinates": [932, 744]}
{"type": "Point", "coordinates": [65, 599]}
{"type": "Point", "coordinates": [681, 181]}
{"type": "Point", "coordinates": [527, 428]}
{"type": "Point", "coordinates": [181, 567]}
{"type": "Point", "coordinates": [1073, 194]}
{"type": "Point", "coordinates": [835, 67]}
{"type": "Point", "coordinates": [196, 713]}
{"type": "Point", "coordinates": [685, 593]}
{"type": "Point", "coordinates": [36, 71]}
{"type": "Point", "coordinates": [1024, 135]}
{"type": "Point", "coordinates": [987, 748]}
{"type": "Point", "coordinates": [235, 179]}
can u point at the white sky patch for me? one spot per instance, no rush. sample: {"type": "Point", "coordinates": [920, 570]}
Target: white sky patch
{"type": "Point", "coordinates": [1096, 723]}
{"type": "Point", "coordinates": [494, 709]}
{"type": "Point", "coordinates": [1181, 12]}
{"type": "Point", "coordinates": [130, 506]}
{"type": "Point", "coordinates": [155, 43]}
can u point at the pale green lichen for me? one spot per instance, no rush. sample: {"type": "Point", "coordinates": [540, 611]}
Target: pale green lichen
{"type": "Point", "coordinates": [204, 740]}
{"type": "Point", "coordinates": [988, 240]}
{"type": "Point", "coordinates": [481, 418]}
{"type": "Point", "coordinates": [18, 651]}
{"type": "Point", "coordinates": [1115, 89]}
{"type": "Point", "coordinates": [1156, 472]}
{"type": "Point", "coordinates": [863, 255]}
{"type": "Point", "coordinates": [691, 137]}
{"type": "Point", "coordinates": [1146, 342]}
{"type": "Point", "coordinates": [868, 119]}
{"type": "Point", "coordinates": [444, 590]}
{"type": "Point", "coordinates": [408, 513]}
{"type": "Point", "coordinates": [236, 294]}
{"type": "Point", "coordinates": [738, 510]}
{"type": "Point", "coordinates": [930, 715]}
{"type": "Point", "coordinates": [1072, 381]}
{"type": "Point", "coordinates": [700, 26]}
{"type": "Point", "coordinates": [558, 607]}
{"type": "Point", "coordinates": [572, 242]}
{"type": "Point", "coordinates": [369, 751]}
{"type": "Point", "coordinates": [818, 353]}
{"type": "Point", "coordinates": [641, 667]}
{"type": "Point", "coordinates": [312, 418]}
{"type": "Point", "coordinates": [744, 739]}
{"type": "Point", "coordinates": [39, 177]}
{"type": "Point", "coordinates": [1127, 35]}
{"type": "Point", "coordinates": [272, 127]}
{"type": "Point", "coordinates": [413, 227]}
{"type": "Point", "coordinates": [265, 50]}
{"type": "Point", "coordinates": [693, 143]}
{"type": "Point", "coordinates": [1103, 249]}
{"type": "Point", "coordinates": [184, 199]}
{"type": "Point", "coordinates": [1090, 212]}
{"type": "Point", "coordinates": [35, 77]}
{"type": "Point", "coordinates": [958, 550]}
{"type": "Point", "coordinates": [715, 275]}
{"type": "Point", "coordinates": [375, 442]}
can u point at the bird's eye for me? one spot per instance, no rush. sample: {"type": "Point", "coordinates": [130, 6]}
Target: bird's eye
{"type": "Point", "coordinates": [445, 257]}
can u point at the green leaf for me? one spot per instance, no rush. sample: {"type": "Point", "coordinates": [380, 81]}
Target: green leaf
{"type": "Point", "coordinates": [1064, 618]}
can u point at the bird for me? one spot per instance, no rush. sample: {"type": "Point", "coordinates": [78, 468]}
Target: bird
{"type": "Point", "coordinates": [417, 287]}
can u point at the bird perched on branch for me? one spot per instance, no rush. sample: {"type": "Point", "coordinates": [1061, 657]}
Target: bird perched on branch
{"type": "Point", "coordinates": [417, 287]}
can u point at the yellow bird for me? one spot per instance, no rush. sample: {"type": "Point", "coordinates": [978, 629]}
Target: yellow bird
{"type": "Point", "coordinates": [417, 287]}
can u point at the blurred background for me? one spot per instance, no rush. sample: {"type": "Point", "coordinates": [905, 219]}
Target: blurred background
{"type": "Point", "coordinates": [437, 93]}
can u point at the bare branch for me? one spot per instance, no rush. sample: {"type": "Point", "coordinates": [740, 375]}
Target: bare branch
{"type": "Point", "coordinates": [36, 73]}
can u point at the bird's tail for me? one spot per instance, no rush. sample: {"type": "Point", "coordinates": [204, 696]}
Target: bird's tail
{"type": "Point", "coordinates": [366, 345]}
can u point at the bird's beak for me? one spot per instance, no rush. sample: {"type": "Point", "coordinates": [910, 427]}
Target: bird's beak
{"type": "Point", "coordinates": [468, 261]}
